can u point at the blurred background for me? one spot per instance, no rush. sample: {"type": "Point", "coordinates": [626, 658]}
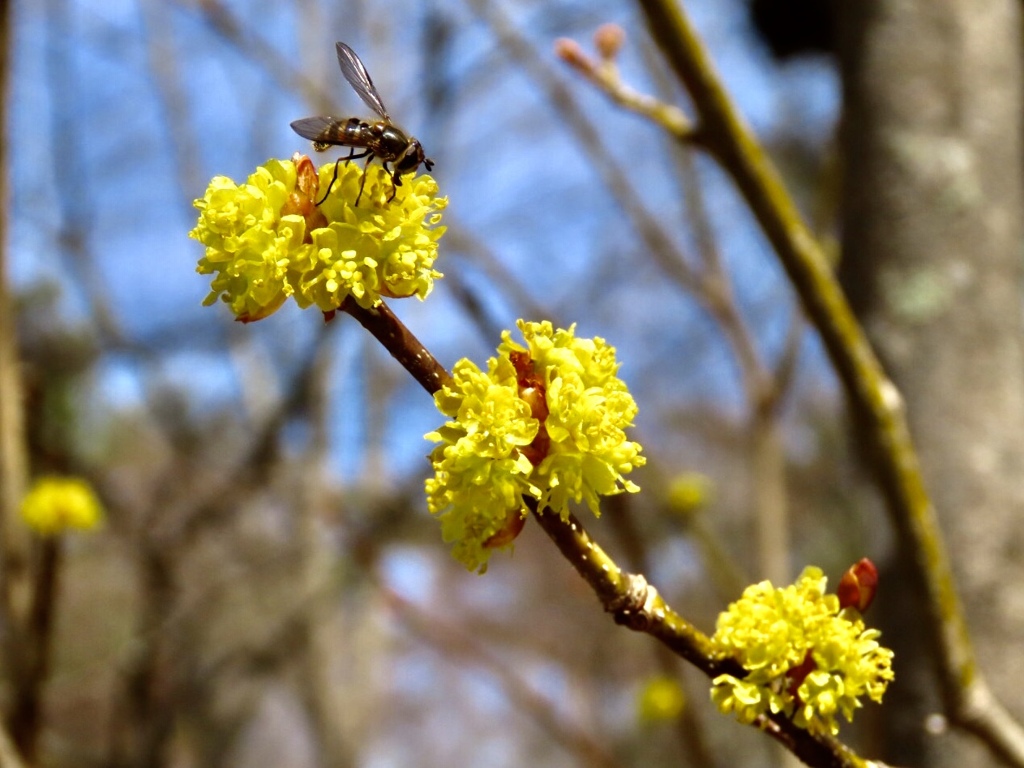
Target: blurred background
{"type": "Point", "coordinates": [268, 588]}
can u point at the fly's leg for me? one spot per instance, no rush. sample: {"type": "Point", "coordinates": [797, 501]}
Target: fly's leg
{"type": "Point", "coordinates": [334, 178]}
{"type": "Point", "coordinates": [396, 182]}
{"type": "Point", "coordinates": [351, 156]}
{"type": "Point", "coordinates": [362, 183]}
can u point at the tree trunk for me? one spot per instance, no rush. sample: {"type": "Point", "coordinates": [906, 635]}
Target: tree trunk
{"type": "Point", "coordinates": [931, 253]}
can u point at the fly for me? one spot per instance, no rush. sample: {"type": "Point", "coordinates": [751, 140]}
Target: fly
{"type": "Point", "coordinates": [378, 138]}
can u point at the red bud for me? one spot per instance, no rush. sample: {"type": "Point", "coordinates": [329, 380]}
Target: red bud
{"type": "Point", "coordinates": [302, 200]}
{"type": "Point", "coordinates": [608, 40]}
{"type": "Point", "coordinates": [532, 392]}
{"type": "Point", "coordinates": [796, 675]}
{"type": "Point", "coordinates": [858, 586]}
{"type": "Point", "coordinates": [509, 530]}
{"type": "Point", "coordinates": [571, 53]}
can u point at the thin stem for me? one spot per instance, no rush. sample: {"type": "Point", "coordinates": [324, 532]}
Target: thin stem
{"type": "Point", "coordinates": [386, 328]}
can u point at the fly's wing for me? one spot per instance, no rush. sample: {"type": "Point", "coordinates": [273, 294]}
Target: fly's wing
{"type": "Point", "coordinates": [354, 71]}
{"type": "Point", "coordinates": [323, 130]}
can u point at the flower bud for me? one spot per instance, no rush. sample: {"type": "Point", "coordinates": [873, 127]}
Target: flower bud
{"type": "Point", "coordinates": [858, 585]}
{"type": "Point", "coordinates": [608, 39]}
{"type": "Point", "coordinates": [302, 200]}
{"type": "Point", "coordinates": [512, 527]}
{"type": "Point", "coordinates": [569, 51]}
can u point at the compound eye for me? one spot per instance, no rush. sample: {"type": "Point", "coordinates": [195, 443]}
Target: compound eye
{"type": "Point", "coordinates": [410, 159]}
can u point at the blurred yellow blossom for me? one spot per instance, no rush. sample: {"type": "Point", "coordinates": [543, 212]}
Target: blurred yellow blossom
{"type": "Point", "coordinates": [689, 492]}
{"type": "Point", "coordinates": [661, 698]}
{"type": "Point", "coordinates": [55, 504]}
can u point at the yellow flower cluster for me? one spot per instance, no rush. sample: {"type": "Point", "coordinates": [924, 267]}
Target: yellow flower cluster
{"type": "Point", "coordinates": [546, 422]}
{"type": "Point", "coordinates": [55, 504]}
{"type": "Point", "coordinates": [267, 240]}
{"type": "Point", "coordinates": [805, 657]}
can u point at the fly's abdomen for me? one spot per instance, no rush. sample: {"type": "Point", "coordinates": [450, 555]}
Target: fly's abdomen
{"type": "Point", "coordinates": [352, 132]}
{"type": "Point", "coordinates": [325, 132]}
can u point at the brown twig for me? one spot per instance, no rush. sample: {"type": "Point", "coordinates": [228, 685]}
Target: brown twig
{"type": "Point", "coordinates": [605, 75]}
{"type": "Point", "coordinates": [654, 234]}
{"type": "Point", "coordinates": [636, 604]}
{"type": "Point", "coordinates": [386, 328]}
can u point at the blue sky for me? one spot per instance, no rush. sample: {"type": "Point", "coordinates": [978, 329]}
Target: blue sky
{"type": "Point", "coordinates": [122, 112]}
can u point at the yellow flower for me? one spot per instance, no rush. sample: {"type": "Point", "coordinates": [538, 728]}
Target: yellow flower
{"type": "Point", "coordinates": [377, 248]}
{"type": "Point", "coordinates": [689, 492]}
{"type": "Point", "coordinates": [251, 244]}
{"type": "Point", "coordinates": [804, 656]}
{"type": "Point", "coordinates": [55, 504]}
{"type": "Point", "coordinates": [545, 422]}
{"type": "Point", "coordinates": [267, 240]}
{"type": "Point", "coordinates": [662, 698]}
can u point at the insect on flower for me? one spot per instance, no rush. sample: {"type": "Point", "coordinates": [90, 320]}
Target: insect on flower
{"type": "Point", "coordinates": [378, 138]}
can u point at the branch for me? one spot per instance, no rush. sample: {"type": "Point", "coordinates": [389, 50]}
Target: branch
{"type": "Point", "coordinates": [636, 604]}
{"type": "Point", "coordinates": [604, 74]}
{"type": "Point", "coordinates": [649, 228]}
{"type": "Point", "coordinates": [628, 597]}
{"type": "Point", "coordinates": [386, 328]}
{"type": "Point", "coordinates": [873, 396]}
